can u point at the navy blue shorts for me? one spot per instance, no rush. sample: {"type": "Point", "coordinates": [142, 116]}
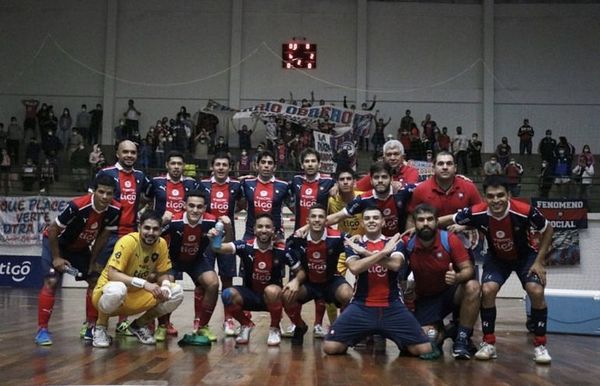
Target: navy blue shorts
{"type": "Point", "coordinates": [252, 300]}
{"type": "Point", "coordinates": [78, 259]}
{"type": "Point", "coordinates": [325, 291]}
{"type": "Point", "coordinates": [107, 251]}
{"type": "Point", "coordinates": [227, 265]}
{"type": "Point", "coordinates": [433, 309]}
{"type": "Point", "coordinates": [498, 271]}
{"type": "Point", "coordinates": [194, 269]}
{"type": "Point", "coordinates": [395, 322]}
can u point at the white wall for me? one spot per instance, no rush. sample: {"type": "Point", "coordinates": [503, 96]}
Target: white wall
{"type": "Point", "coordinates": [422, 56]}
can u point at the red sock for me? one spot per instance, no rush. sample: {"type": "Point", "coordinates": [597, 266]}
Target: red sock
{"type": "Point", "coordinates": [320, 308]}
{"type": "Point", "coordinates": [539, 340]}
{"type": "Point", "coordinates": [489, 338]}
{"type": "Point", "coordinates": [294, 312]}
{"type": "Point", "coordinates": [205, 314]}
{"type": "Point", "coordinates": [91, 313]}
{"type": "Point", "coordinates": [198, 297]}
{"type": "Point", "coordinates": [236, 311]}
{"type": "Point", "coordinates": [226, 314]}
{"type": "Point", "coordinates": [276, 311]}
{"type": "Point", "coordinates": [45, 306]}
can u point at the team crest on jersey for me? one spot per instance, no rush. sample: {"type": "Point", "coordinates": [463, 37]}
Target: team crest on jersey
{"type": "Point", "coordinates": [154, 257]}
{"type": "Point", "coordinates": [316, 255]}
{"type": "Point", "coordinates": [439, 255]}
{"type": "Point", "coordinates": [175, 193]}
{"type": "Point", "coordinates": [387, 211]}
{"type": "Point", "coordinates": [263, 193]}
{"type": "Point", "coordinates": [128, 184]}
{"type": "Point", "coordinates": [461, 195]}
{"type": "Point", "coordinates": [94, 226]}
{"type": "Point", "coordinates": [191, 238]}
{"type": "Point", "coordinates": [262, 265]}
{"type": "Point", "coordinates": [308, 191]}
{"type": "Point", "coordinates": [500, 234]}
{"type": "Point", "coordinates": [219, 194]}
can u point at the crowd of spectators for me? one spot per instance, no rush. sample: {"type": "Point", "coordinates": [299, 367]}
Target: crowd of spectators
{"type": "Point", "coordinates": [47, 142]}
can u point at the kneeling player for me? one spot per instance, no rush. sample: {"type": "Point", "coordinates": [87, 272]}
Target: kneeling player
{"type": "Point", "coordinates": [314, 261]}
{"type": "Point", "coordinates": [262, 262]}
{"type": "Point", "coordinates": [190, 253]}
{"type": "Point", "coordinates": [122, 288]}
{"type": "Point", "coordinates": [434, 256]}
{"type": "Point", "coordinates": [376, 307]}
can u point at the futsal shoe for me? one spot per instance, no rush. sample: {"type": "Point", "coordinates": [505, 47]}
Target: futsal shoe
{"type": "Point", "coordinates": [274, 336]}
{"type": "Point", "coordinates": [205, 331]}
{"type": "Point", "coordinates": [244, 335]}
{"type": "Point", "coordinates": [541, 355]}
{"type": "Point", "coordinates": [123, 328]}
{"type": "Point", "coordinates": [486, 352]}
{"type": "Point", "coordinates": [298, 338]}
{"type": "Point", "coordinates": [43, 337]}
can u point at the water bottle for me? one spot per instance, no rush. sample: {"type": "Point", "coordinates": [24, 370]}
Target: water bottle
{"type": "Point", "coordinates": [72, 271]}
{"type": "Point", "coordinates": [217, 240]}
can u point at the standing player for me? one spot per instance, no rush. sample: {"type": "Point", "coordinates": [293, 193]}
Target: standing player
{"type": "Point", "coordinates": [444, 279]}
{"type": "Point", "coordinates": [131, 183]}
{"type": "Point", "coordinates": [262, 260]}
{"type": "Point", "coordinates": [168, 192]}
{"type": "Point", "coordinates": [506, 224]}
{"type": "Point", "coordinates": [392, 205]}
{"type": "Point", "coordinates": [222, 194]}
{"type": "Point", "coordinates": [188, 249]}
{"type": "Point", "coordinates": [306, 190]}
{"type": "Point", "coordinates": [314, 260]}
{"type": "Point", "coordinates": [264, 194]}
{"type": "Point", "coordinates": [376, 306]}
{"type": "Point", "coordinates": [67, 243]}
{"type": "Point", "coordinates": [123, 289]}
{"type": "Point", "coordinates": [402, 173]}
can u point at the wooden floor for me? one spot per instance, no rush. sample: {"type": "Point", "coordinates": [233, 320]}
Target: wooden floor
{"type": "Point", "coordinates": [72, 361]}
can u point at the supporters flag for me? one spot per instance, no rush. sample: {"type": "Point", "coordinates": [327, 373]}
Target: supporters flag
{"type": "Point", "coordinates": [566, 216]}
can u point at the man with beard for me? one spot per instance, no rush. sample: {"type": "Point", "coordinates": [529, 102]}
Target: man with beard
{"type": "Point", "coordinates": [401, 173]}
{"type": "Point", "coordinates": [122, 288]}
{"type": "Point", "coordinates": [131, 184]}
{"type": "Point", "coordinates": [314, 261]}
{"type": "Point", "coordinates": [506, 224]}
{"type": "Point", "coordinates": [189, 253]}
{"type": "Point", "coordinates": [444, 279]}
{"type": "Point", "coordinates": [376, 306]}
{"type": "Point", "coordinates": [262, 260]}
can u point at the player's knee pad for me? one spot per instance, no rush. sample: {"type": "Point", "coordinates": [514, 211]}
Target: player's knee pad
{"type": "Point", "coordinates": [113, 296]}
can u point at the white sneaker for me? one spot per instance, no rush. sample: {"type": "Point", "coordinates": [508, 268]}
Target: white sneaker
{"type": "Point", "coordinates": [101, 338]}
{"type": "Point", "coordinates": [274, 336]}
{"type": "Point", "coordinates": [229, 327]}
{"type": "Point", "coordinates": [244, 335]}
{"type": "Point", "coordinates": [143, 334]}
{"type": "Point", "coordinates": [319, 332]}
{"type": "Point", "coordinates": [540, 354]}
{"type": "Point", "coordinates": [486, 351]}
{"type": "Point", "coordinates": [289, 331]}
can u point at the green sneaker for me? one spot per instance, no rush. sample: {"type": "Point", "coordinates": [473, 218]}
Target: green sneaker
{"type": "Point", "coordinates": [123, 328]}
{"type": "Point", "coordinates": [433, 355]}
{"type": "Point", "coordinates": [82, 330]}
{"type": "Point", "coordinates": [160, 334]}
{"type": "Point", "coordinates": [205, 331]}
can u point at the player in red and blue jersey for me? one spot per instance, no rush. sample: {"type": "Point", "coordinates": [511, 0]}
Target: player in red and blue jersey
{"type": "Point", "coordinates": [444, 280]}
{"type": "Point", "coordinates": [168, 191]}
{"type": "Point", "coordinates": [67, 242]}
{"type": "Point", "coordinates": [262, 260]}
{"type": "Point", "coordinates": [506, 223]}
{"type": "Point", "coordinates": [314, 261]}
{"type": "Point", "coordinates": [377, 306]}
{"type": "Point", "coordinates": [392, 205]}
{"type": "Point", "coordinates": [264, 194]}
{"type": "Point", "coordinates": [189, 253]}
{"type": "Point", "coordinates": [223, 194]}
{"type": "Point", "coordinates": [306, 190]}
{"type": "Point", "coordinates": [131, 184]}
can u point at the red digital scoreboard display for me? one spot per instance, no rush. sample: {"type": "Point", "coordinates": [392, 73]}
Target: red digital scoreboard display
{"type": "Point", "coordinates": [299, 55]}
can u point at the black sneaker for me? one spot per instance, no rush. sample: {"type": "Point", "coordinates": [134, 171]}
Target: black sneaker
{"type": "Point", "coordinates": [298, 338]}
{"type": "Point", "coordinates": [460, 349]}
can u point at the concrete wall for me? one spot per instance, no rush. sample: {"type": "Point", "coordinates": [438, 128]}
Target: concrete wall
{"type": "Point", "coordinates": [422, 56]}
